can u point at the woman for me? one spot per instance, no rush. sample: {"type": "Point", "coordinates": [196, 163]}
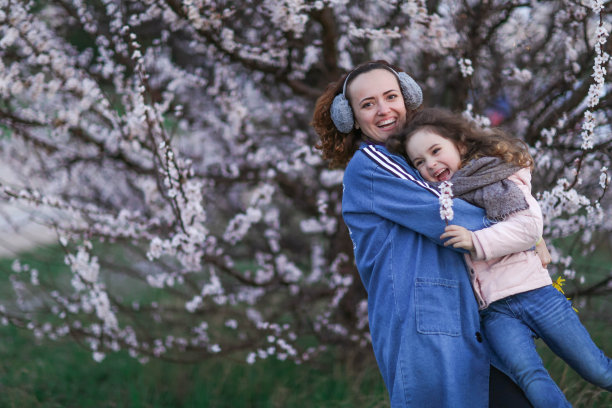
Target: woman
{"type": "Point", "coordinates": [422, 312]}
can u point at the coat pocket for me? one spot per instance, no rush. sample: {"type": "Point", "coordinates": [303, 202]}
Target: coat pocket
{"type": "Point", "coordinates": [437, 304]}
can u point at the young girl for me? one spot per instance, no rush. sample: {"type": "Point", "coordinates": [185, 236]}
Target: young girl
{"type": "Point", "coordinates": [513, 289]}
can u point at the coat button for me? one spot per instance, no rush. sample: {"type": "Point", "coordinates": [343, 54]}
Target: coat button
{"type": "Point", "coordinates": [479, 337]}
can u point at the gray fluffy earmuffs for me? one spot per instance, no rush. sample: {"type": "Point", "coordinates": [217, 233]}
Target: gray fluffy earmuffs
{"type": "Point", "coordinates": [342, 114]}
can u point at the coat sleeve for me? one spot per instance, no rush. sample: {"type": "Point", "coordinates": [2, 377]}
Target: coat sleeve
{"type": "Point", "coordinates": [411, 205]}
{"type": "Point", "coordinates": [519, 232]}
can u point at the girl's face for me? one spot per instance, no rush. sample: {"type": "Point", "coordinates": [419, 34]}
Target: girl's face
{"type": "Point", "coordinates": [435, 157]}
{"type": "Point", "coordinates": [377, 103]}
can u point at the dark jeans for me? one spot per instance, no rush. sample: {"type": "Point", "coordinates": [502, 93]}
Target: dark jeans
{"type": "Point", "coordinates": [504, 393]}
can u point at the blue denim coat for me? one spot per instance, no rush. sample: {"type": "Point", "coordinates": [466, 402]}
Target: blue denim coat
{"type": "Point", "coordinates": [422, 312]}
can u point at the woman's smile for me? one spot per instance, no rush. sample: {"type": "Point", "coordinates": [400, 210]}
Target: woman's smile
{"type": "Point", "coordinates": [386, 123]}
{"type": "Point", "coordinates": [377, 103]}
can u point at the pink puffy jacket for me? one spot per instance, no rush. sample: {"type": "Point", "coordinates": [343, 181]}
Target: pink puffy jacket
{"type": "Point", "coordinates": [504, 262]}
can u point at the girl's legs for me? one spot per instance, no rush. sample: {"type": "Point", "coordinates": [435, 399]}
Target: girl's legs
{"type": "Point", "coordinates": [551, 316]}
{"type": "Point", "coordinates": [512, 341]}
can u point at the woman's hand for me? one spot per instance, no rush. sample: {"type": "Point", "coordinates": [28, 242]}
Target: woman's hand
{"type": "Point", "coordinates": [542, 250]}
{"type": "Point", "coordinates": [459, 237]}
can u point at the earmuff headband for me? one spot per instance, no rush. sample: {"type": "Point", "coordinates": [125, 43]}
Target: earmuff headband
{"type": "Point", "coordinates": [342, 114]}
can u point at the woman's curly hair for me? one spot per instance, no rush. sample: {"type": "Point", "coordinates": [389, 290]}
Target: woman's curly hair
{"type": "Point", "coordinates": [476, 141]}
{"type": "Point", "coordinates": [338, 147]}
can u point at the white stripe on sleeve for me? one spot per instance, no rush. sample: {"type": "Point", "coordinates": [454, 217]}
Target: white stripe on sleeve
{"type": "Point", "coordinates": [394, 168]}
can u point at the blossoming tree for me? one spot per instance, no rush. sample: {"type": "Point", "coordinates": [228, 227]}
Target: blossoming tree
{"type": "Point", "coordinates": [167, 144]}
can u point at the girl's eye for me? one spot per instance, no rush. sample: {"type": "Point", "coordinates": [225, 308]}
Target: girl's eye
{"type": "Point", "coordinates": [436, 150]}
{"type": "Point", "coordinates": [417, 163]}
{"type": "Point", "coordinates": [366, 105]}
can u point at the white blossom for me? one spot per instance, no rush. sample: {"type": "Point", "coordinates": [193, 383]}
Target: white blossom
{"type": "Point", "coordinates": [446, 201]}
{"type": "Point", "coordinates": [603, 177]}
{"type": "Point", "coordinates": [465, 65]}
{"type": "Point", "coordinates": [98, 356]}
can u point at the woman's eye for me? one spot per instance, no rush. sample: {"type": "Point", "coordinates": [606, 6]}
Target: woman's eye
{"type": "Point", "coordinates": [436, 150]}
{"type": "Point", "coordinates": [366, 105]}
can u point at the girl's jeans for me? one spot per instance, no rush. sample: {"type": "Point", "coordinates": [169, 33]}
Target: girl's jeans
{"type": "Point", "coordinates": [510, 324]}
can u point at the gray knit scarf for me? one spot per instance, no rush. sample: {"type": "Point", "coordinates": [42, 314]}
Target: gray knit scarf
{"type": "Point", "coordinates": [484, 182]}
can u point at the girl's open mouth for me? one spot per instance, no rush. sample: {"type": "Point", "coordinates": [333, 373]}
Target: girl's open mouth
{"type": "Point", "coordinates": [443, 175]}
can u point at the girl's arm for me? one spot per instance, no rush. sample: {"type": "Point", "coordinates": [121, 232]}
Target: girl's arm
{"type": "Point", "coordinates": [459, 237]}
{"type": "Point", "coordinates": [519, 232]}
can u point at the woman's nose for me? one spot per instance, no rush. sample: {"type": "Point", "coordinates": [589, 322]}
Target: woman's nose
{"type": "Point", "coordinates": [383, 108]}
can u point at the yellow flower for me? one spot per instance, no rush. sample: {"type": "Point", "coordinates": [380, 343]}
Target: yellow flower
{"type": "Point", "coordinates": [558, 285]}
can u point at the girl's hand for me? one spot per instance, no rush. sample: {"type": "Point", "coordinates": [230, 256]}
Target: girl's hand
{"type": "Point", "coordinates": [459, 237]}
{"type": "Point", "coordinates": [542, 250]}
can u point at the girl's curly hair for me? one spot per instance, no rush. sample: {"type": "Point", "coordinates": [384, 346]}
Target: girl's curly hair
{"type": "Point", "coordinates": [476, 141]}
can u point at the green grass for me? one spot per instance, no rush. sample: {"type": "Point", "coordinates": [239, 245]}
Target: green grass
{"type": "Point", "coordinates": [62, 375]}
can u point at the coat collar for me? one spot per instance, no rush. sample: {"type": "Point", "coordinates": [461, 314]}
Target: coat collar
{"type": "Point", "coordinates": [400, 160]}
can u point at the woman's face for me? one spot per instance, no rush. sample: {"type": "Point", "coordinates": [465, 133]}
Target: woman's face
{"type": "Point", "coordinates": [377, 103]}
